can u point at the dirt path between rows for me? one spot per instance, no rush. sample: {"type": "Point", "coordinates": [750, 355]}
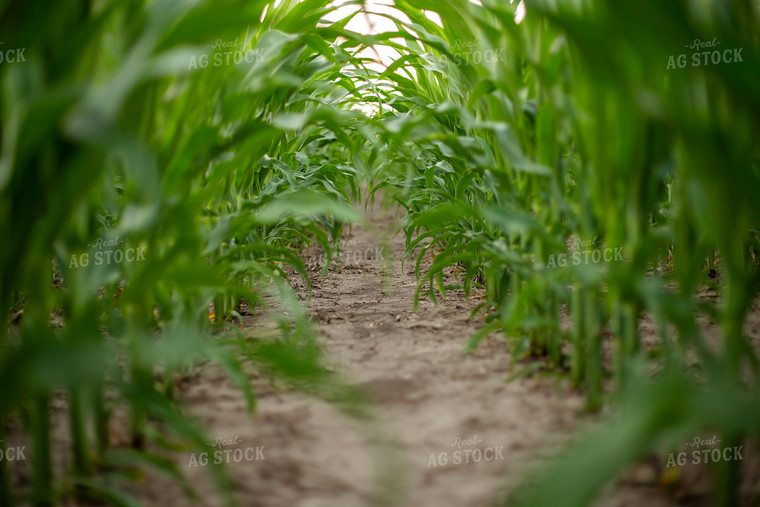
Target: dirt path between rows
{"type": "Point", "coordinates": [449, 430]}
{"type": "Point", "coordinates": [459, 433]}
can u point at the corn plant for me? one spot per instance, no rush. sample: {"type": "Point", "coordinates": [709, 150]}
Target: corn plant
{"type": "Point", "coordinates": [582, 135]}
{"type": "Point", "coordinates": [208, 141]}
{"type": "Point", "coordinates": [214, 141]}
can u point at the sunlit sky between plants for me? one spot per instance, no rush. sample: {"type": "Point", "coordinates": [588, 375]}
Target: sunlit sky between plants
{"type": "Point", "coordinates": [376, 20]}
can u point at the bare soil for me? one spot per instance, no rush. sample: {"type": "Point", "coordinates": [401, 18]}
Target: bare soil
{"type": "Point", "coordinates": [432, 405]}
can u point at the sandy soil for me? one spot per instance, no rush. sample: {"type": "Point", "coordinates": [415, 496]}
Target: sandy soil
{"type": "Point", "coordinates": [433, 404]}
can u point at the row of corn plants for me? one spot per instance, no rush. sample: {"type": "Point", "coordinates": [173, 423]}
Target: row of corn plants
{"type": "Point", "coordinates": [164, 158]}
{"type": "Point", "coordinates": [214, 140]}
{"type": "Point", "coordinates": [520, 147]}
